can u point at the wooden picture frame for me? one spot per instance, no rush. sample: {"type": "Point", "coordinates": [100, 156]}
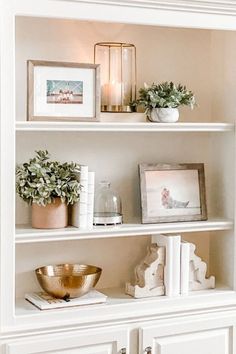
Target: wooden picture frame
{"type": "Point", "coordinates": [172, 192]}
{"type": "Point", "coordinates": [63, 91]}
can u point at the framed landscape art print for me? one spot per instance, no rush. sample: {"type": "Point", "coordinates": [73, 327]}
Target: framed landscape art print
{"type": "Point", "coordinates": [172, 192]}
{"type": "Point", "coordinates": [59, 91]}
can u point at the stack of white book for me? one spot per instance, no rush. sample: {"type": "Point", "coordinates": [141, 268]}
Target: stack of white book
{"type": "Point", "coordinates": [177, 260]}
{"type": "Point", "coordinates": [45, 301]}
{"type": "Point", "coordinates": [82, 212]}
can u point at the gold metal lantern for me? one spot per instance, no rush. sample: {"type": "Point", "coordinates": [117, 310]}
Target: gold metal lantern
{"type": "Point", "coordinates": [118, 75]}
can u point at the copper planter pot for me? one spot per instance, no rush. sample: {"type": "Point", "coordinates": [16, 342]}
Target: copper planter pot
{"type": "Point", "coordinates": [68, 280]}
{"type": "Point", "coordinates": [51, 216]}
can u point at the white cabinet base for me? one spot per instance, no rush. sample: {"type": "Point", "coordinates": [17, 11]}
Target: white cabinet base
{"type": "Point", "coordinates": [206, 342]}
{"type": "Point", "coordinates": [100, 341]}
{"type": "Point", "coordinates": [212, 336]}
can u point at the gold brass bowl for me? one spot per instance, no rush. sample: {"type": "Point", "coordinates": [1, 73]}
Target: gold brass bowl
{"type": "Point", "coordinates": [68, 280]}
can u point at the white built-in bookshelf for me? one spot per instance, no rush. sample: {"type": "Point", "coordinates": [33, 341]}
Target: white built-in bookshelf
{"type": "Point", "coordinates": [26, 234]}
{"type": "Point", "coordinates": [113, 148]}
{"type": "Point", "coordinates": [122, 127]}
{"type": "Point", "coordinates": [121, 305]}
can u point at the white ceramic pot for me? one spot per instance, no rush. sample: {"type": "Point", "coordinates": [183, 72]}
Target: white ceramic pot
{"type": "Point", "coordinates": [164, 115]}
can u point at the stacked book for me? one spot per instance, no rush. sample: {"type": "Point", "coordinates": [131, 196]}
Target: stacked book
{"type": "Point", "coordinates": [184, 270]}
{"type": "Point", "coordinates": [177, 264]}
{"type": "Point", "coordinates": [82, 212]}
{"type": "Point", "coordinates": [45, 301]}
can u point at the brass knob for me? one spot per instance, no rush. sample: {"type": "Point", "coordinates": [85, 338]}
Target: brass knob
{"type": "Point", "coordinates": [123, 351]}
{"type": "Point", "coordinates": [148, 350]}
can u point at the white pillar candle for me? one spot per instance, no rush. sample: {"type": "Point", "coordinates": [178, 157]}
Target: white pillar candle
{"type": "Point", "coordinates": [112, 94]}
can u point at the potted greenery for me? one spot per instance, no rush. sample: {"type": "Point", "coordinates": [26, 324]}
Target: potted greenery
{"type": "Point", "coordinates": [49, 186]}
{"type": "Point", "coordinates": [162, 101]}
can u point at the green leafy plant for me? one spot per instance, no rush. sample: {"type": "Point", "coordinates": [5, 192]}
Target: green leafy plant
{"type": "Point", "coordinates": [133, 106]}
{"type": "Point", "coordinates": [40, 180]}
{"type": "Point", "coordinates": [165, 95]}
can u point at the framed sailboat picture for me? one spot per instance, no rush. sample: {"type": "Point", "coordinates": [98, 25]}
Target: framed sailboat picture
{"type": "Point", "coordinates": [172, 192]}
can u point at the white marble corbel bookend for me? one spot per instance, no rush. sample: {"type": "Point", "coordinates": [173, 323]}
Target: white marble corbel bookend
{"type": "Point", "coordinates": [197, 272]}
{"type": "Point", "coordinates": [149, 274]}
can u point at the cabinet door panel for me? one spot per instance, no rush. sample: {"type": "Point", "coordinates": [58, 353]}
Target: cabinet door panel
{"type": "Point", "coordinates": [102, 341]}
{"type": "Point", "coordinates": [91, 349]}
{"type": "Point", "coordinates": [200, 337]}
{"type": "Point", "coordinates": [207, 342]}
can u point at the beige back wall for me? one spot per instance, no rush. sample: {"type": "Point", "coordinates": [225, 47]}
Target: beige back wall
{"type": "Point", "coordinates": [192, 57]}
{"type": "Point", "coordinates": [180, 55]}
{"type": "Point", "coordinates": [223, 76]}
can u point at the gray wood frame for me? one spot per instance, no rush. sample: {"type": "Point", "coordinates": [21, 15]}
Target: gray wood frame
{"type": "Point", "coordinates": [30, 90]}
{"type": "Point", "coordinates": [165, 167]}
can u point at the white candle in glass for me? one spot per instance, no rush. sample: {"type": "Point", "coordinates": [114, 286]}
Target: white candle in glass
{"type": "Point", "coordinates": [115, 93]}
{"type": "Point", "coordinates": [112, 94]}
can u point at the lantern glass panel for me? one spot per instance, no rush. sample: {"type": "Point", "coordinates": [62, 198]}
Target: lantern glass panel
{"type": "Point", "coordinates": [118, 75]}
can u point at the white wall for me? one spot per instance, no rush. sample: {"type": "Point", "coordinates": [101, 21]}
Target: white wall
{"type": "Point", "coordinates": [223, 72]}
{"type": "Point", "coordinates": [180, 55]}
{"type": "Point", "coordinates": [115, 157]}
{"type": "Point", "coordinates": [116, 256]}
{"type": "Point", "coordinates": [105, 155]}
{"type": "Point", "coordinates": [193, 57]}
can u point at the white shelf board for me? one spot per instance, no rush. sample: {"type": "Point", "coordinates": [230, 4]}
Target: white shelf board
{"type": "Point", "coordinates": [24, 126]}
{"type": "Point", "coordinates": [121, 306]}
{"type": "Point", "coordinates": [26, 234]}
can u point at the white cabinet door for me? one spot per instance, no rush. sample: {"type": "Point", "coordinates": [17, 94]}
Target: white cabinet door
{"type": "Point", "coordinates": [101, 341]}
{"type": "Point", "coordinates": [188, 338]}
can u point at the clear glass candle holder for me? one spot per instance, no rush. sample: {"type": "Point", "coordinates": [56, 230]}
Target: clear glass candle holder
{"type": "Point", "coordinates": [118, 75]}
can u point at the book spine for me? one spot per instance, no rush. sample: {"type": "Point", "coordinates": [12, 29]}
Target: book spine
{"type": "Point", "coordinates": [83, 200]}
{"type": "Point", "coordinates": [75, 214]}
{"type": "Point", "coordinates": [168, 270]}
{"type": "Point", "coordinates": [91, 183]}
{"type": "Point", "coordinates": [176, 264]}
{"type": "Point", "coordinates": [79, 209]}
{"type": "Point", "coordinates": [184, 276]}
